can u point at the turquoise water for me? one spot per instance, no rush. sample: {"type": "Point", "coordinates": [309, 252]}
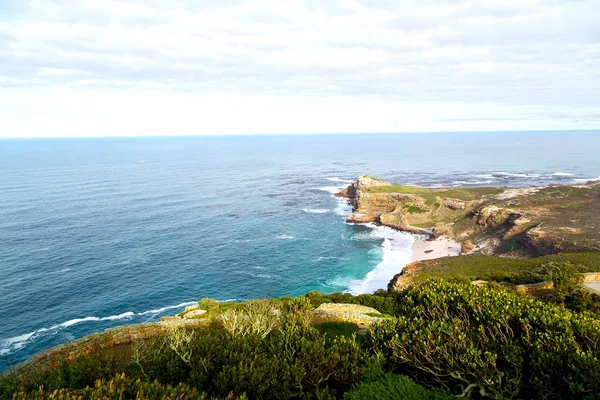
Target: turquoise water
{"type": "Point", "coordinates": [100, 232]}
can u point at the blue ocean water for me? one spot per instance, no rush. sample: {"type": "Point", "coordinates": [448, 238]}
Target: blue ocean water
{"type": "Point", "coordinates": [100, 232]}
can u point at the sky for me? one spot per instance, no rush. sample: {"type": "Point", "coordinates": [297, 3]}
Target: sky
{"type": "Point", "coordinates": [75, 68]}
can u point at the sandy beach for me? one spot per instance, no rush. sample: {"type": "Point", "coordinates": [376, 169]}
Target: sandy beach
{"type": "Point", "coordinates": [428, 250]}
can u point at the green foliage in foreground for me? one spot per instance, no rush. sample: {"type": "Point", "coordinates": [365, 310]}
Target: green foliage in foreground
{"type": "Point", "coordinates": [492, 268]}
{"type": "Point", "coordinates": [121, 387]}
{"type": "Point", "coordinates": [392, 386]}
{"type": "Point", "coordinates": [478, 342]}
{"type": "Point", "coordinates": [492, 342]}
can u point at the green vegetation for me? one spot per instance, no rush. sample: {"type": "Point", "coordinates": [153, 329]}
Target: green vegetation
{"type": "Point", "coordinates": [120, 387]}
{"type": "Point", "coordinates": [491, 342]}
{"type": "Point", "coordinates": [492, 268]}
{"type": "Point", "coordinates": [449, 338]}
{"type": "Point", "coordinates": [334, 329]}
{"type": "Point", "coordinates": [392, 386]}
{"type": "Point", "coordinates": [416, 210]}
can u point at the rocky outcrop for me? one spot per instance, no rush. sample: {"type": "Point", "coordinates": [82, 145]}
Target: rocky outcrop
{"type": "Point", "coordinates": [363, 316]}
{"type": "Point", "coordinates": [403, 279]}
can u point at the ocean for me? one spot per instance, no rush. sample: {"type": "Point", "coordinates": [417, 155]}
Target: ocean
{"type": "Point", "coordinates": [96, 233]}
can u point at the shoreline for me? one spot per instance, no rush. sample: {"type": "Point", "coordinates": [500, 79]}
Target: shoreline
{"type": "Point", "coordinates": [432, 249]}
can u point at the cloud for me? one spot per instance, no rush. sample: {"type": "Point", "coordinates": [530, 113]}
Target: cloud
{"type": "Point", "coordinates": [502, 55]}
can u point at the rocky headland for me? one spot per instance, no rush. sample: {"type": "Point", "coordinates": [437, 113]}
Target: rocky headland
{"type": "Point", "coordinates": [515, 222]}
{"type": "Point", "coordinates": [500, 221]}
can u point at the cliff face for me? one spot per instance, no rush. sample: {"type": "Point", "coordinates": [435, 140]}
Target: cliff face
{"type": "Point", "coordinates": [510, 222]}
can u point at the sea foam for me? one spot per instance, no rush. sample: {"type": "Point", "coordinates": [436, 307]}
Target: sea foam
{"type": "Point", "coordinates": [397, 253]}
{"type": "Point", "coordinates": [15, 343]}
{"type": "Point", "coordinates": [315, 210]}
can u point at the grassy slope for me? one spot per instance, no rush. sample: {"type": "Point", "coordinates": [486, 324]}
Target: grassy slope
{"type": "Point", "coordinates": [491, 268]}
{"type": "Point", "coordinates": [465, 194]}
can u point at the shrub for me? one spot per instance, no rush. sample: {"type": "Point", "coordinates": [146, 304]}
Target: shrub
{"type": "Point", "coordinates": [254, 317]}
{"type": "Point", "coordinates": [335, 329]}
{"type": "Point", "coordinates": [291, 360]}
{"type": "Point", "coordinates": [209, 304]}
{"type": "Point", "coordinates": [120, 387]}
{"type": "Point", "coordinates": [490, 341]}
{"type": "Point", "coordinates": [394, 387]}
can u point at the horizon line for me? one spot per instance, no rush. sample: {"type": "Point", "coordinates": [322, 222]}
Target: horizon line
{"type": "Point", "coordinates": [167, 136]}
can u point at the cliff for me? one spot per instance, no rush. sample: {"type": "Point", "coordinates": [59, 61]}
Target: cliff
{"type": "Point", "coordinates": [513, 222]}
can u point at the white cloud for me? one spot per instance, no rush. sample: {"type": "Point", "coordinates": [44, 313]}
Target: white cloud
{"type": "Point", "coordinates": [145, 67]}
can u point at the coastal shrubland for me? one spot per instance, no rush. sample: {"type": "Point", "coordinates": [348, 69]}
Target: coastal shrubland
{"type": "Point", "coordinates": [438, 339]}
{"type": "Point", "coordinates": [500, 269]}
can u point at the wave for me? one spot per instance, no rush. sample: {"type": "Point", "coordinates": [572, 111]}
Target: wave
{"type": "Point", "coordinates": [517, 175]}
{"type": "Point", "coordinates": [125, 315]}
{"type": "Point", "coordinates": [332, 189]}
{"type": "Point", "coordinates": [397, 253]}
{"type": "Point", "coordinates": [163, 309]}
{"type": "Point", "coordinates": [319, 259]}
{"type": "Point", "coordinates": [284, 237]}
{"type": "Point", "coordinates": [586, 180]}
{"type": "Point", "coordinates": [315, 210]}
{"type": "Point", "coordinates": [562, 174]}
{"type": "Point", "coordinates": [472, 182]}
{"type": "Point", "coordinates": [339, 180]}
{"type": "Point", "coordinates": [265, 276]}
{"type": "Point", "coordinates": [336, 282]}
{"type": "Point", "coordinates": [17, 342]}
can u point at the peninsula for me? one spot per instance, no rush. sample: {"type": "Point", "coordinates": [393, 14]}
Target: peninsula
{"type": "Point", "coordinates": [504, 234]}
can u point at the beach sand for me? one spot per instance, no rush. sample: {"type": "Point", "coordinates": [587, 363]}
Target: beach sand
{"type": "Point", "coordinates": [428, 250]}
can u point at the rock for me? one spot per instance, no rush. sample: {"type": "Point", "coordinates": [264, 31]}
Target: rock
{"type": "Point", "coordinates": [194, 314]}
{"type": "Point", "coordinates": [354, 313]}
{"type": "Point", "coordinates": [191, 308]}
{"type": "Point", "coordinates": [490, 216]}
{"type": "Point", "coordinates": [519, 222]}
{"type": "Point", "coordinates": [453, 204]}
{"type": "Point", "coordinates": [467, 247]}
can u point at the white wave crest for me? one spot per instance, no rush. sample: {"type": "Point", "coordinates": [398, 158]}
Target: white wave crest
{"type": "Point", "coordinates": [562, 174]}
{"type": "Point", "coordinates": [339, 180]}
{"type": "Point", "coordinates": [315, 210]}
{"type": "Point", "coordinates": [284, 237]}
{"type": "Point", "coordinates": [517, 175]}
{"type": "Point", "coordinates": [265, 276]}
{"type": "Point", "coordinates": [586, 180]}
{"type": "Point", "coordinates": [332, 189]}
{"type": "Point", "coordinates": [125, 315]}
{"type": "Point", "coordinates": [163, 309]}
{"type": "Point", "coordinates": [472, 182]}
{"type": "Point", "coordinates": [397, 253]}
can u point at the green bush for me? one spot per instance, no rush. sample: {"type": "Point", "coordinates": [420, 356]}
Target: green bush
{"type": "Point", "coordinates": [292, 360]}
{"type": "Point", "coordinates": [491, 341]}
{"type": "Point", "coordinates": [120, 387]}
{"type": "Point", "coordinates": [336, 329]}
{"type": "Point", "coordinates": [208, 304]}
{"type": "Point", "coordinates": [394, 387]}
{"type": "Point", "coordinates": [382, 301]}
